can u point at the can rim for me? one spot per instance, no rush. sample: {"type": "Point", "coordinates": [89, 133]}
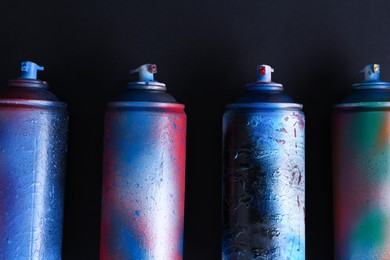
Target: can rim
{"type": "Point", "coordinates": [32, 83]}
{"type": "Point", "coordinates": [150, 85]}
{"type": "Point", "coordinates": [371, 104]}
{"type": "Point", "coordinates": [29, 102]}
{"type": "Point", "coordinates": [265, 105]}
{"type": "Point", "coordinates": [139, 104]}
{"type": "Point", "coordinates": [264, 86]}
{"type": "Point", "coordinates": [372, 85]}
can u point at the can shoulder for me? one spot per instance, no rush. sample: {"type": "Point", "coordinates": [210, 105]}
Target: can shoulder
{"type": "Point", "coordinates": [145, 96]}
{"type": "Point", "coordinates": [28, 93]}
{"type": "Point", "coordinates": [264, 97]}
{"type": "Point", "coordinates": [368, 95]}
{"type": "Point", "coordinates": [264, 100]}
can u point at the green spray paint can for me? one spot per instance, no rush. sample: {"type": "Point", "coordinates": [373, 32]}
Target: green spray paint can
{"type": "Point", "coordinates": [361, 170]}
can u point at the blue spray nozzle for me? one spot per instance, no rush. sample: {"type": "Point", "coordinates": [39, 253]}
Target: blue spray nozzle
{"type": "Point", "coordinates": [371, 72]}
{"type": "Point", "coordinates": [264, 73]}
{"type": "Point", "coordinates": [29, 70]}
{"type": "Point", "coordinates": [145, 72]}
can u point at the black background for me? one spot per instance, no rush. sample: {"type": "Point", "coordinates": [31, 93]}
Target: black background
{"type": "Point", "coordinates": [205, 51]}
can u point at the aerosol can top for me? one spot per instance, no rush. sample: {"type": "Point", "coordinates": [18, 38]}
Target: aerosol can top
{"type": "Point", "coordinates": [369, 93]}
{"type": "Point", "coordinates": [29, 70]}
{"type": "Point", "coordinates": [371, 78]}
{"type": "Point", "coordinates": [28, 88]}
{"type": "Point", "coordinates": [28, 76]}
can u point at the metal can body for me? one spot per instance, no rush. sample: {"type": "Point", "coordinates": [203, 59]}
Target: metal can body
{"type": "Point", "coordinates": [361, 159]}
{"type": "Point", "coordinates": [33, 138]}
{"type": "Point", "coordinates": [263, 174]}
{"type": "Point", "coordinates": [143, 181]}
{"type": "Point", "coordinates": [361, 172]}
{"type": "Point", "coordinates": [264, 183]}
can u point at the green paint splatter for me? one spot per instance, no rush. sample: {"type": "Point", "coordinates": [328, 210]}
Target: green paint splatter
{"type": "Point", "coordinates": [366, 127]}
{"type": "Point", "coordinates": [370, 154]}
{"type": "Point", "coordinates": [370, 231]}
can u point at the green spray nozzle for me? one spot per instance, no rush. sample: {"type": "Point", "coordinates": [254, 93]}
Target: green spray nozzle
{"type": "Point", "coordinates": [29, 70]}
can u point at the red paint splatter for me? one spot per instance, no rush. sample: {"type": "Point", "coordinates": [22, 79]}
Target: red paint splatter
{"type": "Point", "coordinates": [292, 178]}
{"type": "Point", "coordinates": [301, 120]}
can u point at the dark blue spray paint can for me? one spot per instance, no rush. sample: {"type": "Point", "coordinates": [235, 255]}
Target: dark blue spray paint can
{"type": "Point", "coordinates": [33, 140]}
{"type": "Point", "coordinates": [263, 174]}
{"type": "Point", "coordinates": [143, 173]}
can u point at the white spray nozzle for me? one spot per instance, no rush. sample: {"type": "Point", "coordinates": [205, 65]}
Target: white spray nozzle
{"type": "Point", "coordinates": [264, 73]}
{"type": "Point", "coordinates": [145, 72]}
{"type": "Point", "coordinates": [371, 72]}
{"type": "Point", "coordinates": [29, 70]}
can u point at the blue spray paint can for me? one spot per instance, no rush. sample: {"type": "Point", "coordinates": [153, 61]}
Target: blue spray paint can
{"type": "Point", "coordinates": [263, 174]}
{"type": "Point", "coordinates": [143, 173]}
{"type": "Point", "coordinates": [33, 140]}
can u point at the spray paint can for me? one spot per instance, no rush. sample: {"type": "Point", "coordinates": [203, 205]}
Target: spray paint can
{"type": "Point", "coordinates": [33, 141]}
{"type": "Point", "coordinates": [263, 174]}
{"type": "Point", "coordinates": [361, 170]}
{"type": "Point", "coordinates": [143, 173]}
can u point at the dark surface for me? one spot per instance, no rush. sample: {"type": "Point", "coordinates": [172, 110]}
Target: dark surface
{"type": "Point", "coordinates": [205, 51]}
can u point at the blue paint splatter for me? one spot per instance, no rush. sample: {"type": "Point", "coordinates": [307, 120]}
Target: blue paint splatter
{"type": "Point", "coordinates": [136, 212]}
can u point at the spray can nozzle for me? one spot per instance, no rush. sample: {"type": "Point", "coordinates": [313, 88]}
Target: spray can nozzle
{"type": "Point", "coordinates": [371, 72]}
{"type": "Point", "coordinates": [29, 70]}
{"type": "Point", "coordinates": [145, 72]}
{"type": "Point", "coordinates": [264, 73]}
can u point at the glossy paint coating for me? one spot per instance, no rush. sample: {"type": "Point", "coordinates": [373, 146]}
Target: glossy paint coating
{"type": "Point", "coordinates": [33, 140]}
{"type": "Point", "coordinates": [143, 176]}
{"type": "Point", "coordinates": [143, 185]}
{"type": "Point", "coordinates": [264, 176]}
